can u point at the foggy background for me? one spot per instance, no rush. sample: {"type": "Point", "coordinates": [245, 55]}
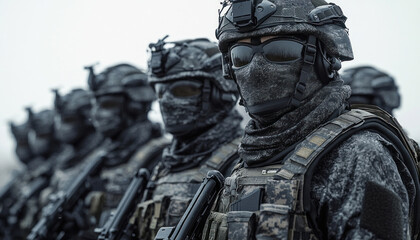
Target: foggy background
{"type": "Point", "coordinates": [44, 44]}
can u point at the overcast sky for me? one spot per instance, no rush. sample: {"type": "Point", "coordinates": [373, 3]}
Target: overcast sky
{"type": "Point", "coordinates": [44, 44]}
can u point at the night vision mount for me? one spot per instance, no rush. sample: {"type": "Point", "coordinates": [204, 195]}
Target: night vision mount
{"type": "Point", "coordinates": [162, 59]}
{"type": "Point", "coordinates": [246, 15]}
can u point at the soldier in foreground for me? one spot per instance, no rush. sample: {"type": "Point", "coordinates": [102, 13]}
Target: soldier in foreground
{"type": "Point", "coordinates": [371, 86]}
{"type": "Point", "coordinates": [310, 168]}
{"type": "Point", "coordinates": [197, 107]}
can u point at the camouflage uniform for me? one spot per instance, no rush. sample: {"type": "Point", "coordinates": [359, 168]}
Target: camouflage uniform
{"type": "Point", "coordinates": [199, 112]}
{"type": "Point", "coordinates": [297, 177]}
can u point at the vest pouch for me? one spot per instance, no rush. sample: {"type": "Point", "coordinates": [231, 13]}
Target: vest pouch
{"type": "Point", "coordinates": [215, 227]}
{"type": "Point", "coordinates": [160, 207]}
{"type": "Point", "coordinates": [176, 209]}
{"type": "Point", "coordinates": [273, 222]}
{"type": "Point", "coordinates": [143, 213]}
{"type": "Point", "coordinates": [241, 225]}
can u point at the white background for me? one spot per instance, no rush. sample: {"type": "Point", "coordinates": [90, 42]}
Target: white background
{"type": "Point", "coordinates": [44, 44]}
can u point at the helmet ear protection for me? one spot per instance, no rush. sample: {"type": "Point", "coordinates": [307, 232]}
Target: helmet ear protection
{"type": "Point", "coordinates": [221, 99]}
{"type": "Point", "coordinates": [326, 66]}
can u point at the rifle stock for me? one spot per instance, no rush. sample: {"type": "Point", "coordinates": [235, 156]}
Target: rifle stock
{"type": "Point", "coordinates": [192, 222]}
{"type": "Point", "coordinates": [113, 228]}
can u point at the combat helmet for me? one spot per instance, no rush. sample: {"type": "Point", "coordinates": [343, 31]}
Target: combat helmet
{"type": "Point", "coordinates": [20, 133]}
{"type": "Point", "coordinates": [72, 121]}
{"type": "Point", "coordinates": [372, 86]}
{"type": "Point", "coordinates": [323, 25]}
{"type": "Point", "coordinates": [41, 123]}
{"type": "Point", "coordinates": [75, 103]}
{"type": "Point", "coordinates": [123, 79]}
{"type": "Point", "coordinates": [196, 58]}
{"type": "Point", "coordinates": [41, 137]}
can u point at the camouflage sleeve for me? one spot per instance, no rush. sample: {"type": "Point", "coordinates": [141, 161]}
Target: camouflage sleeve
{"type": "Point", "coordinates": [340, 187]}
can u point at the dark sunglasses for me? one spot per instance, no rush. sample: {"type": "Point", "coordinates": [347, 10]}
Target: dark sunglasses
{"type": "Point", "coordinates": [277, 50]}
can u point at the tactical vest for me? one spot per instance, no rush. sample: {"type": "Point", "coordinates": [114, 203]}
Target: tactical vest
{"type": "Point", "coordinates": [169, 194]}
{"type": "Point", "coordinates": [273, 202]}
{"type": "Point", "coordinates": [119, 177]}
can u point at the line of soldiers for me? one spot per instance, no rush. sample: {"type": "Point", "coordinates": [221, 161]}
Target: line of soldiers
{"type": "Point", "coordinates": [308, 165]}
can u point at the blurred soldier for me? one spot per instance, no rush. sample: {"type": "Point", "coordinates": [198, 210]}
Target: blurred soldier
{"type": "Point", "coordinates": [22, 149]}
{"type": "Point", "coordinates": [122, 100]}
{"type": "Point", "coordinates": [371, 86]}
{"type": "Point", "coordinates": [197, 108]}
{"type": "Point", "coordinates": [74, 129]}
{"type": "Point", "coordinates": [40, 158]}
{"type": "Point", "coordinates": [310, 168]}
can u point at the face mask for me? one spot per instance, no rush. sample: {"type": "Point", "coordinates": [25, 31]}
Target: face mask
{"type": "Point", "coordinates": [262, 81]}
{"type": "Point", "coordinates": [40, 144]}
{"type": "Point", "coordinates": [180, 104]}
{"type": "Point", "coordinates": [69, 129]}
{"type": "Point", "coordinates": [23, 152]}
{"type": "Point", "coordinates": [107, 115]}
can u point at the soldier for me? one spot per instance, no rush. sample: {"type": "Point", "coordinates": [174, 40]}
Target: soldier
{"type": "Point", "coordinates": [22, 149]}
{"type": "Point", "coordinates": [120, 108]}
{"type": "Point", "coordinates": [74, 129]}
{"type": "Point", "coordinates": [21, 206]}
{"type": "Point", "coordinates": [198, 109]}
{"type": "Point", "coordinates": [371, 86]}
{"type": "Point", "coordinates": [310, 167]}
{"type": "Point", "coordinates": [122, 99]}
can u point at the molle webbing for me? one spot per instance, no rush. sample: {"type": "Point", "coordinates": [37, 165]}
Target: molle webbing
{"type": "Point", "coordinates": [299, 161]}
{"type": "Point", "coordinates": [145, 154]}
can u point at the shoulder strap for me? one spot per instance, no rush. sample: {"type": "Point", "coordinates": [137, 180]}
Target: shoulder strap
{"type": "Point", "coordinates": [221, 158]}
{"type": "Point", "coordinates": [150, 152]}
{"type": "Point", "coordinates": [306, 152]}
{"type": "Point", "coordinates": [302, 161]}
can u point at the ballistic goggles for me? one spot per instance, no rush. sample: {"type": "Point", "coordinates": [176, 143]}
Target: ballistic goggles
{"type": "Point", "coordinates": [276, 50]}
{"type": "Point", "coordinates": [179, 89]}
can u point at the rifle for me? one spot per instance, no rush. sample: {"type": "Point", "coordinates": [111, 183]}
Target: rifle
{"type": "Point", "coordinates": [192, 222]}
{"type": "Point", "coordinates": [52, 219]}
{"type": "Point", "coordinates": [17, 209]}
{"type": "Point", "coordinates": [112, 230]}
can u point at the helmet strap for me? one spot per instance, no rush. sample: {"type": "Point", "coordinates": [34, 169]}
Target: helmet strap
{"type": "Point", "coordinates": [309, 58]}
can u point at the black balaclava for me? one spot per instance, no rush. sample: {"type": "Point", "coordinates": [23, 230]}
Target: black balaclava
{"type": "Point", "coordinates": [41, 137]}
{"type": "Point", "coordinates": [71, 121]}
{"type": "Point", "coordinates": [180, 114]}
{"type": "Point", "coordinates": [22, 150]}
{"type": "Point", "coordinates": [263, 81]}
{"type": "Point", "coordinates": [108, 115]}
